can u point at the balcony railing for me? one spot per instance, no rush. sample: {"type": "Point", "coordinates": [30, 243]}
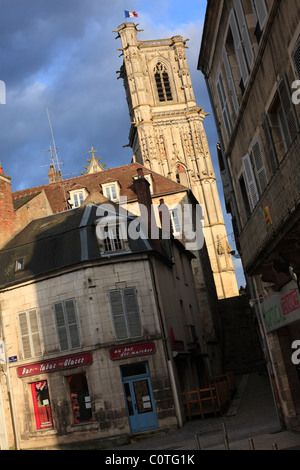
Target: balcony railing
{"type": "Point", "coordinates": [279, 199]}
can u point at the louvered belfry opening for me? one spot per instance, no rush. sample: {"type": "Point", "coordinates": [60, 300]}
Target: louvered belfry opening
{"type": "Point", "coordinates": [162, 83]}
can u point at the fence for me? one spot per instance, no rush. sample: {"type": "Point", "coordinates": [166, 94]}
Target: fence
{"type": "Point", "coordinates": [212, 399]}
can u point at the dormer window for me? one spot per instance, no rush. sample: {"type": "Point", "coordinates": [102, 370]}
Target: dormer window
{"type": "Point", "coordinates": [19, 265]}
{"type": "Point", "coordinates": [112, 240]}
{"type": "Point", "coordinates": [111, 191]}
{"type": "Point", "coordinates": [77, 197]}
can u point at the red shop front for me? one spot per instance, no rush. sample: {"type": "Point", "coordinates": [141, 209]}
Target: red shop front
{"type": "Point", "coordinates": [80, 399]}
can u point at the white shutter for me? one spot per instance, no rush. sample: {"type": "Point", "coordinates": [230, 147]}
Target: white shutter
{"type": "Point", "coordinates": [239, 52]}
{"type": "Point", "coordinates": [250, 182]}
{"type": "Point", "coordinates": [30, 334]}
{"type": "Point", "coordinates": [261, 12]}
{"type": "Point", "coordinates": [230, 80]}
{"type": "Point", "coordinates": [245, 38]}
{"type": "Point", "coordinates": [132, 313]}
{"type": "Point", "coordinates": [72, 323]}
{"type": "Point", "coordinates": [118, 314]}
{"type": "Point", "coordinates": [24, 330]}
{"type": "Point", "coordinates": [224, 105]}
{"type": "Point", "coordinates": [259, 165]}
{"type": "Point", "coordinates": [35, 334]}
{"type": "Point", "coordinates": [61, 326]}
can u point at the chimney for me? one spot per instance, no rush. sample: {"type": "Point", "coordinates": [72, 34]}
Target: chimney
{"type": "Point", "coordinates": [164, 217]}
{"type": "Point", "coordinates": [7, 213]}
{"type": "Point", "coordinates": [142, 190]}
{"type": "Point", "coordinates": [54, 175]}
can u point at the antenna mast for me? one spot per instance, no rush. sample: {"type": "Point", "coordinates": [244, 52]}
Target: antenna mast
{"type": "Point", "coordinates": [54, 149]}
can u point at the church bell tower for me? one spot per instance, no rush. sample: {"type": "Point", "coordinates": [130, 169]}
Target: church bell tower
{"type": "Point", "coordinates": [168, 137]}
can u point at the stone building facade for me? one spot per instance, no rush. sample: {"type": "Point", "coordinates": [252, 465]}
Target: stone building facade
{"type": "Point", "coordinates": [250, 59]}
{"type": "Point", "coordinates": [167, 134]}
{"type": "Point", "coordinates": [101, 333]}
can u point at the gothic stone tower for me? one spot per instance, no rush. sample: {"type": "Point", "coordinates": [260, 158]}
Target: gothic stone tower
{"type": "Point", "coordinates": [168, 137]}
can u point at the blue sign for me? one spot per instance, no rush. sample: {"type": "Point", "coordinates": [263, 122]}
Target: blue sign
{"type": "Point", "coordinates": [12, 359]}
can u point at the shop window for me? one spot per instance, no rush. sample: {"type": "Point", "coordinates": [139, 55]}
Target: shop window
{"type": "Point", "coordinates": [80, 399]}
{"type": "Point", "coordinates": [41, 405]}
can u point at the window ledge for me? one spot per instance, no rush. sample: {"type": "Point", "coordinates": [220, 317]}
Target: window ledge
{"type": "Point", "coordinates": [82, 426]}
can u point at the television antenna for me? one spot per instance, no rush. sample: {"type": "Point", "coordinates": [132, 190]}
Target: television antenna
{"type": "Point", "coordinates": [53, 151]}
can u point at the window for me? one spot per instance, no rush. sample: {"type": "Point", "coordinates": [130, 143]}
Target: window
{"type": "Point", "coordinates": [244, 195]}
{"type": "Point", "coordinates": [259, 166]}
{"type": "Point", "coordinates": [230, 80]}
{"type": "Point", "coordinates": [125, 313]}
{"type": "Point", "coordinates": [260, 11]}
{"type": "Point", "coordinates": [80, 398]}
{"type": "Point", "coordinates": [67, 325]}
{"type": "Point", "coordinates": [224, 105]}
{"type": "Point", "coordinates": [111, 239]}
{"type": "Point", "coordinates": [110, 191]}
{"type": "Point", "coordinates": [30, 334]}
{"type": "Point", "coordinates": [241, 42]}
{"type": "Point", "coordinates": [162, 83]}
{"type": "Point", "coordinates": [250, 182]}
{"type": "Point", "coordinates": [77, 198]}
{"type": "Point", "coordinates": [41, 405]}
{"type": "Point", "coordinates": [296, 58]}
{"type": "Point", "coordinates": [19, 266]}
{"type": "Point", "coordinates": [175, 221]}
{"type": "Point", "coordinates": [283, 119]}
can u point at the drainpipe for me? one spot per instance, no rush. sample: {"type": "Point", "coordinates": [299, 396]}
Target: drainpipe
{"type": "Point", "coordinates": [166, 349]}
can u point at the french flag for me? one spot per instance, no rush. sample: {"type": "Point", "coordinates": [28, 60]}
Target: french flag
{"type": "Point", "coordinates": [130, 14]}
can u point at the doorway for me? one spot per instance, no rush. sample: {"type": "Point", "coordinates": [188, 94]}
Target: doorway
{"type": "Point", "coordinates": [138, 397]}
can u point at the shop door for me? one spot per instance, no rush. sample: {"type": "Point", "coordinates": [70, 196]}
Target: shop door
{"type": "Point", "coordinates": [139, 398]}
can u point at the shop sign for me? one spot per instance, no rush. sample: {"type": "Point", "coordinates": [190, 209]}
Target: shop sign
{"type": "Point", "coordinates": [134, 350]}
{"type": "Point", "coordinates": [66, 362]}
{"type": "Point", "coordinates": [282, 308]}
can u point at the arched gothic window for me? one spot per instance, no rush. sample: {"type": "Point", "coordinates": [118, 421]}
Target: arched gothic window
{"type": "Point", "coordinates": [162, 83]}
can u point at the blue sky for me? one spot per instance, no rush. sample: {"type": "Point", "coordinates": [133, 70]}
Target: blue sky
{"type": "Point", "coordinates": [62, 55]}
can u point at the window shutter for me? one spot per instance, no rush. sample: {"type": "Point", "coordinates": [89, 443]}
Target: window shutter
{"type": "Point", "coordinates": [296, 59]}
{"type": "Point", "coordinates": [118, 314]}
{"type": "Point", "coordinates": [259, 165]}
{"type": "Point", "coordinates": [230, 80]}
{"type": "Point", "coordinates": [35, 334]}
{"type": "Point", "coordinates": [261, 11]}
{"type": "Point", "coordinates": [250, 182]}
{"type": "Point", "coordinates": [270, 147]}
{"type": "Point", "coordinates": [72, 323]}
{"type": "Point", "coordinates": [224, 105]}
{"type": "Point", "coordinates": [132, 313]}
{"type": "Point", "coordinates": [25, 335]}
{"type": "Point", "coordinates": [245, 38]}
{"type": "Point", "coordinates": [239, 52]}
{"type": "Point", "coordinates": [288, 109]}
{"type": "Point", "coordinates": [61, 326]}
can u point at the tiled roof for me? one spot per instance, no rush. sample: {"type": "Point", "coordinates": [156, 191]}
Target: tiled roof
{"type": "Point", "coordinates": [58, 193]}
